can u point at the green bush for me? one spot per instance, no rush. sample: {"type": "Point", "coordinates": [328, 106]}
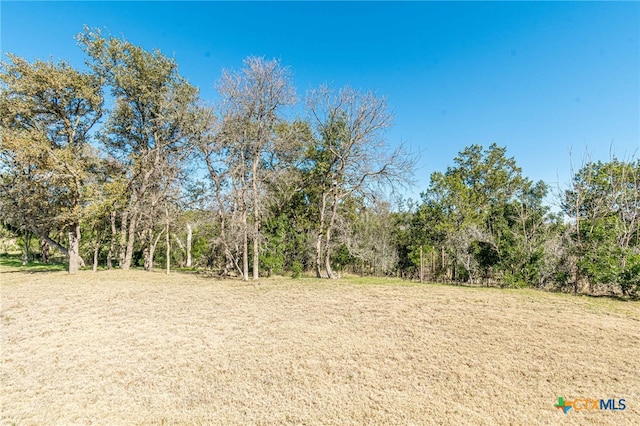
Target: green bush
{"type": "Point", "coordinates": [629, 278]}
{"type": "Point", "coordinates": [514, 280]}
{"type": "Point", "coordinates": [296, 270]}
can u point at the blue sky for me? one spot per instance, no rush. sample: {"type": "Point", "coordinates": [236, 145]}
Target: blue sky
{"type": "Point", "coordinates": [542, 78]}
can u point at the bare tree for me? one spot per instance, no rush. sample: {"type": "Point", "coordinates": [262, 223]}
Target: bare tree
{"type": "Point", "coordinates": [350, 157]}
{"type": "Point", "coordinates": [370, 237]}
{"type": "Point", "coordinates": [252, 100]}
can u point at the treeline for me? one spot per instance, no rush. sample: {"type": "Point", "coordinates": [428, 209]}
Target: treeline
{"type": "Point", "coordinates": [482, 221]}
{"type": "Point", "coordinates": [124, 164]}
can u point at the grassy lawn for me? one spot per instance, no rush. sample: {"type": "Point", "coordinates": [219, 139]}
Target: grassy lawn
{"type": "Point", "coordinates": [13, 263]}
{"type": "Point", "coordinates": [118, 347]}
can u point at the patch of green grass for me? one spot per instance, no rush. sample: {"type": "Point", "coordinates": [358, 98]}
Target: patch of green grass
{"type": "Point", "coordinates": [10, 263]}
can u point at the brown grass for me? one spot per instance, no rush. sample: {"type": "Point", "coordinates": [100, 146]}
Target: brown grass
{"type": "Point", "coordinates": [144, 348]}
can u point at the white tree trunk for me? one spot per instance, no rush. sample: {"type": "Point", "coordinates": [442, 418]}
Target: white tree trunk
{"type": "Point", "coordinates": [167, 240]}
{"type": "Point", "coordinates": [189, 237]}
{"type": "Point", "coordinates": [96, 252]}
{"type": "Point", "coordinates": [74, 249]}
{"type": "Point", "coordinates": [256, 218]}
{"type": "Point", "coordinates": [245, 248]}
{"type": "Point", "coordinates": [112, 244]}
{"type": "Point", "coordinates": [320, 236]}
{"type": "Point", "coordinates": [330, 226]}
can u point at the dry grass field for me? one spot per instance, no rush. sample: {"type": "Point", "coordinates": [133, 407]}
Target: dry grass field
{"type": "Point", "coordinates": [145, 348]}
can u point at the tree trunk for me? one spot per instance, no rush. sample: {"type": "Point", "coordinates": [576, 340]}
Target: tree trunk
{"type": "Point", "coordinates": [320, 235]}
{"type": "Point", "coordinates": [96, 252]}
{"type": "Point", "coordinates": [421, 266]}
{"type": "Point", "coordinates": [44, 250]}
{"type": "Point", "coordinates": [189, 237]}
{"type": "Point", "coordinates": [123, 238]}
{"type": "Point", "coordinates": [256, 257]}
{"type": "Point", "coordinates": [56, 245]}
{"type": "Point", "coordinates": [153, 244]}
{"type": "Point", "coordinates": [442, 261]}
{"type": "Point", "coordinates": [131, 237]}
{"type": "Point", "coordinates": [167, 240]}
{"type": "Point", "coordinates": [319, 254]}
{"type": "Point", "coordinates": [330, 225]}
{"type": "Point", "coordinates": [327, 259]}
{"type": "Point", "coordinates": [245, 247]}
{"type": "Point", "coordinates": [112, 243]}
{"type": "Point", "coordinates": [231, 260]}
{"type": "Point", "coordinates": [74, 249]}
{"type": "Point", "coordinates": [256, 218]}
{"type": "Point", "coordinates": [152, 252]}
{"type": "Point", "coordinates": [147, 251]}
{"type": "Point", "coordinates": [25, 253]}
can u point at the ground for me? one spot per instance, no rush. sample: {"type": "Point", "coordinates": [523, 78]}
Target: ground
{"type": "Point", "coordinates": [117, 347]}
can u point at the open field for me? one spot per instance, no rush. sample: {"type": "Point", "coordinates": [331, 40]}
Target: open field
{"type": "Point", "coordinates": [119, 347]}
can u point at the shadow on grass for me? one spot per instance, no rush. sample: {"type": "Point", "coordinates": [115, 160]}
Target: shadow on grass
{"type": "Point", "coordinates": [619, 297]}
{"type": "Point", "coordinates": [13, 263]}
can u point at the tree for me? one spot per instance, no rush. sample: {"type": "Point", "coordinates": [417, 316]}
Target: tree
{"type": "Point", "coordinates": [369, 238]}
{"type": "Point", "coordinates": [252, 102]}
{"type": "Point", "coordinates": [419, 231]}
{"type": "Point", "coordinates": [105, 187]}
{"type": "Point", "coordinates": [47, 111]}
{"type": "Point", "coordinates": [604, 205]}
{"type": "Point", "coordinates": [156, 121]}
{"type": "Point", "coordinates": [487, 215]}
{"type": "Point", "coordinates": [349, 157]}
{"type": "Point", "coordinates": [527, 227]}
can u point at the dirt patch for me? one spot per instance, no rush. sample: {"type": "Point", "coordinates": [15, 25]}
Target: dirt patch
{"type": "Point", "coordinates": [144, 348]}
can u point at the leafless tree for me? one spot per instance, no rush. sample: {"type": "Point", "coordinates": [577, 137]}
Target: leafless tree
{"type": "Point", "coordinates": [351, 157]}
{"type": "Point", "coordinates": [252, 103]}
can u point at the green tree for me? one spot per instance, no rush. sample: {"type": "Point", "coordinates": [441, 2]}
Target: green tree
{"type": "Point", "coordinates": [486, 216]}
{"type": "Point", "coordinates": [156, 122]}
{"type": "Point", "coordinates": [604, 205]}
{"type": "Point", "coordinates": [47, 111]}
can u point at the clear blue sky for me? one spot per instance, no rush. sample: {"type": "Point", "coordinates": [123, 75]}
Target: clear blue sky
{"type": "Point", "coordinates": [542, 78]}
